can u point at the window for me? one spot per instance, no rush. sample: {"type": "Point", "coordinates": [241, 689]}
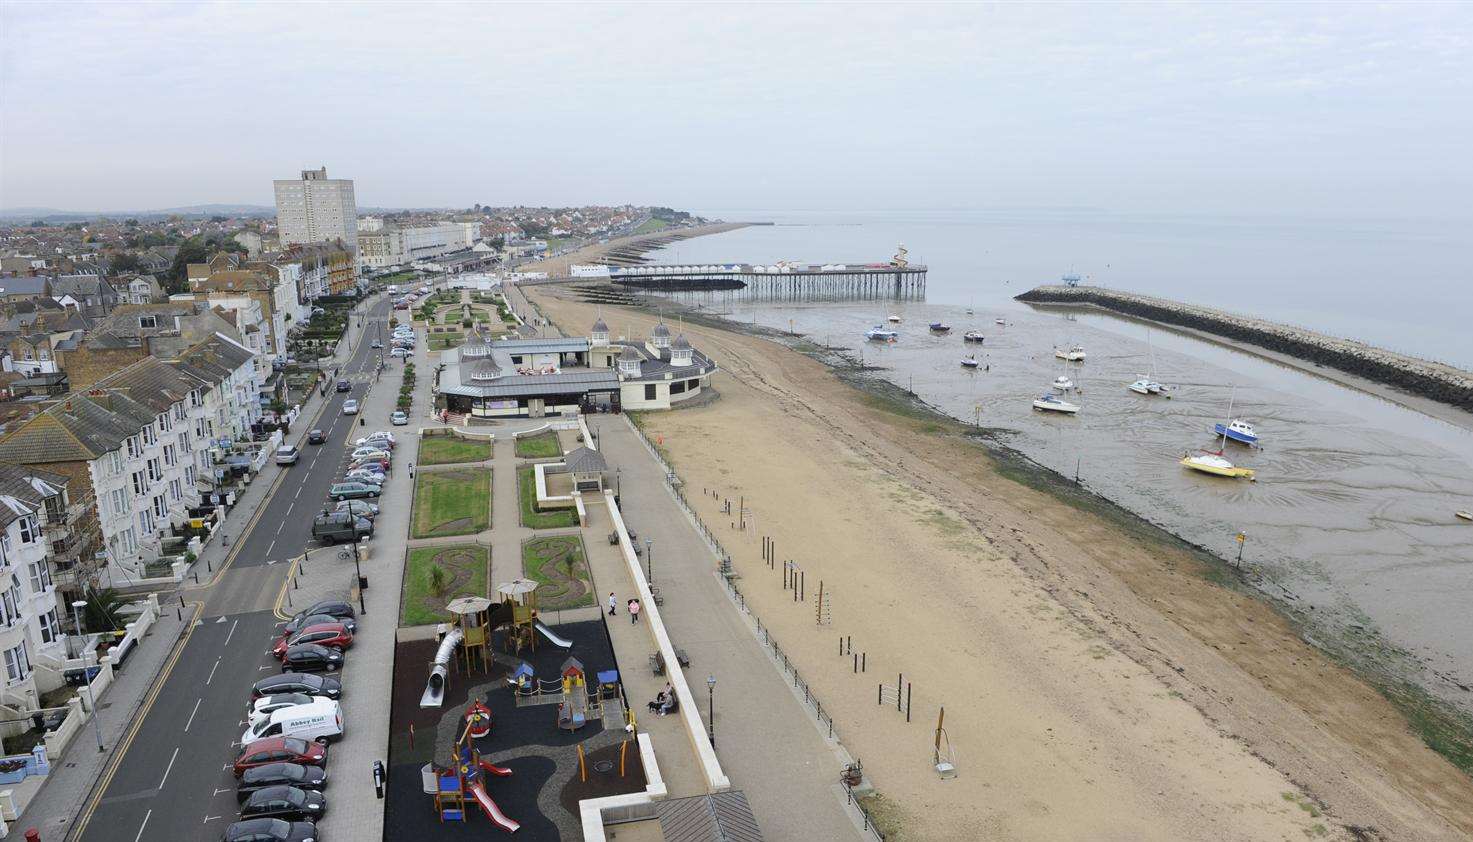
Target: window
{"type": "Point", "coordinates": [175, 493]}
{"type": "Point", "coordinates": [199, 428]}
{"type": "Point", "coordinates": [28, 531]}
{"type": "Point", "coordinates": [148, 321]}
{"type": "Point", "coordinates": [160, 507]}
{"type": "Point", "coordinates": [40, 576]}
{"type": "Point", "coordinates": [50, 627]}
{"type": "Point", "coordinates": [119, 500]}
{"type": "Point", "coordinates": [17, 664]}
{"type": "Point", "coordinates": [155, 470]}
{"type": "Point", "coordinates": [169, 454]}
{"type": "Point", "coordinates": [139, 484]}
{"type": "Point", "coordinates": [145, 522]}
{"type": "Point", "coordinates": [165, 422]}
{"type": "Point", "coordinates": [10, 606]}
{"type": "Point", "coordinates": [128, 541]}
{"type": "Point", "coordinates": [189, 475]}
{"type": "Point", "coordinates": [179, 412]}
{"type": "Point", "coordinates": [677, 387]}
{"type": "Point", "coordinates": [194, 398]}
{"type": "Point", "coordinates": [114, 463]}
{"type": "Point", "coordinates": [149, 438]}
{"type": "Point", "coordinates": [649, 392]}
{"type": "Point", "coordinates": [134, 448]}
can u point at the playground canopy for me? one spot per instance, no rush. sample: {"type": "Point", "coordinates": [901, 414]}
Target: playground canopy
{"type": "Point", "coordinates": [468, 605]}
{"type": "Point", "coordinates": [516, 587]}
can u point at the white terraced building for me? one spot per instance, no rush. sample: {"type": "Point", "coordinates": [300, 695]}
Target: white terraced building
{"type": "Point", "coordinates": [30, 618]}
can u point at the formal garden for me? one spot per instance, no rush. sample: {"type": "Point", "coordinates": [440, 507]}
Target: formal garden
{"type": "Point", "coordinates": [453, 502]}
{"type": "Point", "coordinates": [543, 445]}
{"type": "Point", "coordinates": [558, 566]}
{"type": "Point", "coordinates": [531, 517]}
{"type": "Point", "coordinates": [435, 575]}
{"type": "Point", "coordinates": [449, 450]}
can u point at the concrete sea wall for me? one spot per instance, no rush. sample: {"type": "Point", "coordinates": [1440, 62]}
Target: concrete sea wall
{"type": "Point", "coordinates": [1435, 381]}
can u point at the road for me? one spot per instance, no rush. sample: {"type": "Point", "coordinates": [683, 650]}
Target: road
{"type": "Point", "coordinates": [172, 780]}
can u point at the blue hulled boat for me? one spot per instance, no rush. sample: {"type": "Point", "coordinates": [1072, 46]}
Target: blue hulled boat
{"type": "Point", "coordinates": [1237, 430]}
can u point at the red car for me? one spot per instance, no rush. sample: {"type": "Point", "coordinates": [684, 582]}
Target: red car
{"type": "Point", "coordinates": [280, 750]}
{"type": "Point", "coordinates": [325, 634]}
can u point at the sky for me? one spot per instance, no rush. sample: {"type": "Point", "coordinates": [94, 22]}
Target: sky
{"type": "Point", "coordinates": [1182, 107]}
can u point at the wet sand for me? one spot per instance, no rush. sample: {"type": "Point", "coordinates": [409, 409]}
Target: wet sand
{"type": "Point", "coordinates": [1098, 683]}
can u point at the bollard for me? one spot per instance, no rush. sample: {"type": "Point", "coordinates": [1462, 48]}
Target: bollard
{"type": "Point", "coordinates": [899, 680]}
{"type": "Point", "coordinates": [209, 567]}
{"type": "Point", "coordinates": [907, 701]}
{"type": "Point", "coordinates": [856, 663]}
{"type": "Point", "coordinates": [863, 660]}
{"type": "Point", "coordinates": [179, 614]}
{"type": "Point", "coordinates": [803, 585]}
{"type": "Point", "coordinates": [378, 778]}
{"type": "Point", "coordinates": [196, 577]}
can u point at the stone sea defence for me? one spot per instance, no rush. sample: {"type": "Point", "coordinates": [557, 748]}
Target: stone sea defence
{"type": "Point", "coordinates": [1436, 381]}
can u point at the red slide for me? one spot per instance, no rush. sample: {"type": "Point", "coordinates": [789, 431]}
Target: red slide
{"type": "Point", "coordinates": [492, 811]}
{"type": "Point", "coordinates": [493, 769]}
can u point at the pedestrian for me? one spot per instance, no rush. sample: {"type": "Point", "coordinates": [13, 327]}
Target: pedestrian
{"type": "Point", "coordinates": [612, 602]}
{"type": "Point", "coordinates": [633, 611]}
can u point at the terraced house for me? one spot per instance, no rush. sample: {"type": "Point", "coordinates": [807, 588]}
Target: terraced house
{"type": "Point", "coordinates": [30, 616]}
{"type": "Point", "coordinates": [139, 443]}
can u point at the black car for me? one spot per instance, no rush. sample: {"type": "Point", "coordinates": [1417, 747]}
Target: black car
{"type": "Point", "coordinates": [284, 802]}
{"type": "Point", "coordinates": [295, 682]}
{"type": "Point", "coordinates": [344, 386]}
{"type": "Point", "coordinates": [334, 608]}
{"type": "Point", "coordinates": [292, 775]}
{"type": "Point", "coordinates": [310, 656]}
{"type": "Point", "coordinates": [316, 437]}
{"type": "Point", "coordinates": [303, 620]}
{"type": "Point", "coordinates": [270, 830]}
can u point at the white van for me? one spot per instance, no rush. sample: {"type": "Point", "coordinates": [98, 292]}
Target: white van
{"type": "Point", "coordinates": [393, 289]}
{"type": "Point", "coordinates": [321, 720]}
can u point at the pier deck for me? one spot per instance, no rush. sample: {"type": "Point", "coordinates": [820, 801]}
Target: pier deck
{"type": "Point", "coordinates": [852, 278]}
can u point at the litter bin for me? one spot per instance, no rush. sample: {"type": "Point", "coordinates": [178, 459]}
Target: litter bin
{"type": "Point", "coordinates": [362, 583]}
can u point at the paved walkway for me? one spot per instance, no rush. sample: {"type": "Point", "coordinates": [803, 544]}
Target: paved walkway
{"type": "Point", "coordinates": [74, 775]}
{"type": "Point", "coordinates": [766, 740]}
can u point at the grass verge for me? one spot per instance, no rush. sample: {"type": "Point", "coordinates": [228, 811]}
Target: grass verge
{"type": "Point", "coordinates": [451, 503]}
{"type": "Point", "coordinates": [533, 519]}
{"type": "Point", "coordinates": [463, 570]}
{"type": "Point", "coordinates": [541, 446]}
{"type": "Point", "coordinates": [556, 563]}
{"type": "Point", "coordinates": [447, 450]}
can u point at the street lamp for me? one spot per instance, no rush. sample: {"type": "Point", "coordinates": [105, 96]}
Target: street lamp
{"type": "Point", "coordinates": [711, 709]}
{"type": "Point", "coordinates": [649, 568]}
{"type": "Point", "coordinates": [91, 699]}
{"type": "Point", "coordinates": [362, 609]}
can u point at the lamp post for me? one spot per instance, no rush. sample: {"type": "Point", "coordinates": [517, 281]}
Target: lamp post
{"type": "Point", "coordinates": [711, 709]}
{"type": "Point", "coordinates": [91, 699]}
{"type": "Point", "coordinates": [649, 560]}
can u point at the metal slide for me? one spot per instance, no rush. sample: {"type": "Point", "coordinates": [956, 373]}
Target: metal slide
{"type": "Point", "coordinates": [492, 811]}
{"type": "Point", "coordinates": [561, 642]}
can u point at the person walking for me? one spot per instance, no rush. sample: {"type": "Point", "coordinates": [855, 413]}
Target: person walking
{"type": "Point", "coordinates": [612, 602]}
{"type": "Point", "coordinates": [633, 611]}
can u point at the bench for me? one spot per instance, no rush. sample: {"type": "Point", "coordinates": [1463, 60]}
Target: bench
{"type": "Point", "coordinates": [657, 661]}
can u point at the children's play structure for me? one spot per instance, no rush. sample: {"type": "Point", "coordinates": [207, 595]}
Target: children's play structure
{"type": "Point", "coordinates": [476, 617]}
{"type": "Point", "coordinates": [519, 597]}
{"type": "Point", "coordinates": [572, 711]}
{"type": "Point", "coordinates": [466, 775]}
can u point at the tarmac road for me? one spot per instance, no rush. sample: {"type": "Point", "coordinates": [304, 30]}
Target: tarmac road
{"type": "Point", "coordinates": [172, 780]}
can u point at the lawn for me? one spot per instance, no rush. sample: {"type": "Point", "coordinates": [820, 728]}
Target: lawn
{"type": "Point", "coordinates": [447, 450]}
{"type": "Point", "coordinates": [464, 572]}
{"type": "Point", "coordinates": [451, 503]}
{"type": "Point", "coordinates": [544, 445]}
{"type": "Point", "coordinates": [527, 491]}
{"type": "Point", "coordinates": [445, 341]}
{"type": "Point", "coordinates": [651, 225]}
{"type": "Point", "coordinates": [557, 565]}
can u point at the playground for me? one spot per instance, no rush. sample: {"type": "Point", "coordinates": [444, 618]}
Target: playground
{"type": "Point", "coordinates": [530, 751]}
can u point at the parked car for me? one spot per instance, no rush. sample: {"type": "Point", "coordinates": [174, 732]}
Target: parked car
{"type": "Point", "coordinates": [383, 436]}
{"type": "Point", "coordinates": [350, 407]}
{"type": "Point", "coordinates": [280, 774]}
{"type": "Point", "coordinates": [280, 750]}
{"type": "Point", "coordinates": [365, 475]}
{"type": "Point", "coordinates": [398, 419]}
{"type": "Point", "coordinates": [325, 634]}
{"type": "Point", "coordinates": [316, 437]}
{"type": "Point", "coordinates": [271, 830]}
{"type": "Point", "coordinates": [320, 721]}
{"type": "Point", "coordinates": [286, 455]}
{"type": "Point", "coordinates": [344, 386]}
{"type": "Point", "coordinates": [284, 802]}
{"type": "Point", "coordinates": [262, 708]}
{"type": "Point", "coordinates": [370, 464]}
{"type": "Point", "coordinates": [303, 620]}
{"type": "Point", "coordinates": [341, 528]}
{"type": "Point", "coordinates": [359, 508]}
{"type": "Point", "coordinates": [369, 451]}
{"type": "Point", "coordinates": [310, 657]}
{"type": "Point", "coordinates": [399, 352]}
{"type": "Point", "coordinates": [376, 344]}
{"type": "Point", "coordinates": [288, 682]}
{"type": "Point", "coordinates": [353, 490]}
{"type": "Point", "coordinates": [342, 609]}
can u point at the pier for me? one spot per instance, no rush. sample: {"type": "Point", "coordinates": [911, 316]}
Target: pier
{"type": "Point", "coordinates": [788, 279]}
{"type": "Point", "coordinates": [1433, 380]}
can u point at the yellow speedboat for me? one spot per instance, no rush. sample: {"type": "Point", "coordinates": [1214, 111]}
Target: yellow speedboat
{"type": "Point", "coordinates": [1214, 463]}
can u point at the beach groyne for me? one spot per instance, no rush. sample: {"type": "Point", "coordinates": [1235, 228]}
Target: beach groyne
{"type": "Point", "coordinates": [1432, 380]}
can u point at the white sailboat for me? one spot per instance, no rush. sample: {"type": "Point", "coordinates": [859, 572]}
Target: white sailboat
{"type": "Point", "coordinates": [1214, 462]}
{"type": "Point", "coordinates": [1074, 354]}
{"type": "Point", "coordinates": [1051, 403]}
{"type": "Point", "coordinates": [1063, 384]}
{"type": "Point", "coordinates": [1146, 384]}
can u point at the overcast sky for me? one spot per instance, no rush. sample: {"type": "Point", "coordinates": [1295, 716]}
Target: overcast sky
{"type": "Point", "coordinates": [1212, 107]}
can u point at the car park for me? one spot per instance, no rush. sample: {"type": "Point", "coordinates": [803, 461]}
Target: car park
{"type": "Point", "coordinates": [280, 750]}
{"type": "Point", "coordinates": [344, 386]}
{"type": "Point", "coordinates": [320, 721]}
{"type": "Point", "coordinates": [350, 407]}
{"type": "Point", "coordinates": [284, 802]}
{"type": "Point", "coordinates": [310, 657]}
{"type": "Point", "coordinates": [262, 708]}
{"type": "Point", "coordinates": [303, 620]}
{"type": "Point", "coordinates": [316, 437]}
{"type": "Point", "coordinates": [286, 455]}
{"type": "Point", "coordinates": [280, 774]}
{"type": "Point", "coordinates": [359, 508]}
{"type": "Point", "coordinates": [325, 634]}
{"type": "Point", "coordinates": [341, 528]}
{"type": "Point", "coordinates": [271, 830]}
{"type": "Point", "coordinates": [288, 682]}
{"type": "Point", "coordinates": [399, 418]}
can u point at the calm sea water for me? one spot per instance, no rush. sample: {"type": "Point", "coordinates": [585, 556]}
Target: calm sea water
{"type": "Point", "coordinates": [1352, 516]}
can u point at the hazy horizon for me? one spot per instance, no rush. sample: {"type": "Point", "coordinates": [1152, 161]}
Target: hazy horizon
{"type": "Point", "coordinates": [1303, 108]}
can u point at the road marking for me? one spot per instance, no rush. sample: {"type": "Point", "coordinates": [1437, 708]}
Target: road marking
{"type": "Point", "coordinates": [140, 827]}
{"type": "Point", "coordinates": [299, 488]}
{"type": "Point", "coordinates": [218, 791]}
{"type": "Point", "coordinates": [232, 632]}
{"type": "Point", "coordinates": [168, 768]}
{"type": "Point", "coordinates": [268, 552]}
{"type": "Point", "coordinates": [192, 713]}
{"type": "Point", "coordinates": [282, 524]}
{"type": "Point", "coordinates": [220, 619]}
{"type": "Point", "coordinates": [212, 672]}
{"type": "Point", "coordinates": [209, 819]}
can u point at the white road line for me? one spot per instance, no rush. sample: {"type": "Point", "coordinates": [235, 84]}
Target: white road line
{"type": "Point", "coordinates": [169, 767]}
{"type": "Point", "coordinates": [299, 488]}
{"type": "Point", "coordinates": [142, 826]}
{"type": "Point", "coordinates": [268, 552]}
{"type": "Point", "coordinates": [191, 714]}
{"type": "Point", "coordinates": [234, 624]}
{"type": "Point", "coordinates": [212, 671]}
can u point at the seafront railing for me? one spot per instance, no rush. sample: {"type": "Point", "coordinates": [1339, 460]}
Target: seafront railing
{"type": "Point", "coordinates": [800, 687]}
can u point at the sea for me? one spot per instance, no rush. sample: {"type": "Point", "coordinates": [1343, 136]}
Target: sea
{"type": "Point", "coordinates": [1351, 522]}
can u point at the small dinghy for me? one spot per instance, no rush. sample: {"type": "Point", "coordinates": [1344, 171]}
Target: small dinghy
{"type": "Point", "coordinates": [969, 362]}
{"type": "Point", "coordinates": [1073, 355]}
{"type": "Point", "coordinates": [893, 319]}
{"type": "Point", "coordinates": [973, 336]}
{"type": "Point", "coordinates": [1003, 322]}
{"type": "Point", "coordinates": [1464, 515]}
{"type": "Point", "coordinates": [1063, 384]}
{"type": "Point", "coordinates": [940, 327]}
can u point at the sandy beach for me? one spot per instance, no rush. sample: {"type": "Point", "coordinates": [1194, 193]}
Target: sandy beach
{"type": "Point", "coordinates": [558, 266]}
{"type": "Point", "coordinates": [1097, 682]}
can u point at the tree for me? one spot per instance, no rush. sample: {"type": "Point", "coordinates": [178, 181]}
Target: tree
{"type": "Point", "coordinates": [101, 613]}
{"type": "Point", "coordinates": [124, 261]}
